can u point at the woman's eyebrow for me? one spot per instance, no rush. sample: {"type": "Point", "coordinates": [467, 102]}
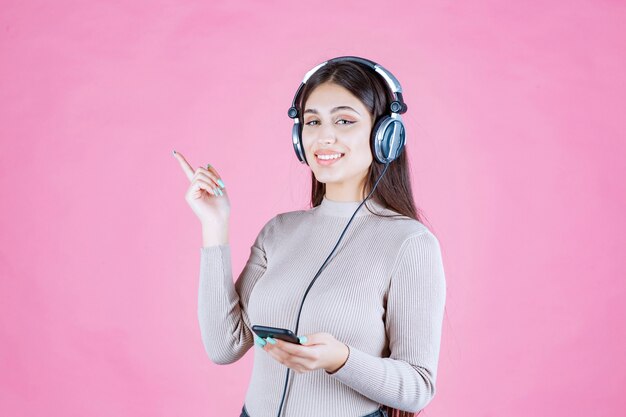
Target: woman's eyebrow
{"type": "Point", "coordinates": [333, 110]}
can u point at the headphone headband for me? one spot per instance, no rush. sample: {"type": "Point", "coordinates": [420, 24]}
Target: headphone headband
{"type": "Point", "coordinates": [397, 106]}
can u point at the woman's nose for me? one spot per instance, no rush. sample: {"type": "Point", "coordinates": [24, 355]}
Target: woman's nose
{"type": "Point", "coordinates": [327, 135]}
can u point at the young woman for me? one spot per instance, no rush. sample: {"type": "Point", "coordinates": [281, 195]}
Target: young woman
{"type": "Point", "coordinates": [370, 328]}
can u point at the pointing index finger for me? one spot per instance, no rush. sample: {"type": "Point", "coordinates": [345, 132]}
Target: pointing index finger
{"type": "Point", "coordinates": [187, 169]}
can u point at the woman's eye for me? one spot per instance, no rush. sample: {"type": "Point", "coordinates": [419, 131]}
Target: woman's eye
{"type": "Point", "coordinates": [348, 122]}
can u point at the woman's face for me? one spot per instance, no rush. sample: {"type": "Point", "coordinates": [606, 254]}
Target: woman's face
{"type": "Point", "coordinates": [336, 122]}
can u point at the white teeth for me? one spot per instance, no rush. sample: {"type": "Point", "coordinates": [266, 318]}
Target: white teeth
{"type": "Point", "coordinates": [327, 157]}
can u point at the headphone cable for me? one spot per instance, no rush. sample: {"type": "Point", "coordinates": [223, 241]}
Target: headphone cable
{"type": "Point", "coordinates": [321, 269]}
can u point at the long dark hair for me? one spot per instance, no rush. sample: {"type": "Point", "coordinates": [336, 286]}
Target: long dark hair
{"type": "Point", "coordinates": [394, 189]}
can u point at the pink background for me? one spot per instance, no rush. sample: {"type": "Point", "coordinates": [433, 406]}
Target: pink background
{"type": "Point", "coordinates": [517, 145]}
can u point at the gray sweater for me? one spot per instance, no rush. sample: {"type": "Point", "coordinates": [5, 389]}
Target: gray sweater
{"type": "Point", "coordinates": [382, 294]}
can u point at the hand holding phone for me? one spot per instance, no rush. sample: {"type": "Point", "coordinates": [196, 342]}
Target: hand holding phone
{"type": "Point", "coordinates": [276, 333]}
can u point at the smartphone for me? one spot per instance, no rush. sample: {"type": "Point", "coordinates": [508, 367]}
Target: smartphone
{"type": "Point", "coordinates": [276, 333]}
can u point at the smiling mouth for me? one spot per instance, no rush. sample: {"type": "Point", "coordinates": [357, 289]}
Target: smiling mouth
{"type": "Point", "coordinates": [328, 159]}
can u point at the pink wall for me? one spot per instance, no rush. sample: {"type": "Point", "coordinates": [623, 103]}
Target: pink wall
{"type": "Point", "coordinates": [517, 144]}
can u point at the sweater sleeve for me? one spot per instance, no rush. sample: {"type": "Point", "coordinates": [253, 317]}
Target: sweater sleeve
{"type": "Point", "coordinates": [223, 305]}
{"type": "Point", "coordinates": [414, 315]}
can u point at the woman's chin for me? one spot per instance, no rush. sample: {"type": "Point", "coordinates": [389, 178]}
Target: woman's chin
{"type": "Point", "coordinates": [326, 177]}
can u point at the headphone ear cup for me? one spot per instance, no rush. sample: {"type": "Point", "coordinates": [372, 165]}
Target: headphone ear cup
{"type": "Point", "coordinates": [375, 142]}
{"type": "Point", "coordinates": [388, 138]}
{"type": "Point", "coordinates": [296, 138]}
{"type": "Point", "coordinates": [401, 139]}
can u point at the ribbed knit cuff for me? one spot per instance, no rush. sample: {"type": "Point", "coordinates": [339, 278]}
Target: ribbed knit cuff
{"type": "Point", "coordinates": [344, 364]}
{"type": "Point", "coordinates": [359, 368]}
{"type": "Point", "coordinates": [213, 248]}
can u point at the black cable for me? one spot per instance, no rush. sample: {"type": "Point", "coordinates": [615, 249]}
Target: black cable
{"type": "Point", "coordinates": [321, 269]}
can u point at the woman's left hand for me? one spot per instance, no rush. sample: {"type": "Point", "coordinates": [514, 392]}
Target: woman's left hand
{"type": "Point", "coordinates": [318, 351]}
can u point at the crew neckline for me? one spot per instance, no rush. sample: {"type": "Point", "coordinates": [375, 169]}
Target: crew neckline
{"type": "Point", "coordinates": [346, 208]}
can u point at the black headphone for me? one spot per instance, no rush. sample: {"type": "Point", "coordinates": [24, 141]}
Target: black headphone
{"type": "Point", "coordinates": [388, 135]}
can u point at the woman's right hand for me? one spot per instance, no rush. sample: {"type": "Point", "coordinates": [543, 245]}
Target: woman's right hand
{"type": "Point", "coordinates": [210, 205]}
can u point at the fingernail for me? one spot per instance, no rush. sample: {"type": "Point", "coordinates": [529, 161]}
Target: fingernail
{"type": "Point", "coordinates": [215, 191]}
{"type": "Point", "coordinates": [208, 166]}
{"type": "Point", "coordinates": [221, 183]}
{"type": "Point", "coordinates": [302, 339]}
{"type": "Point", "coordinates": [272, 341]}
{"type": "Point", "coordinates": [259, 341]}
{"type": "Point", "coordinates": [220, 191]}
